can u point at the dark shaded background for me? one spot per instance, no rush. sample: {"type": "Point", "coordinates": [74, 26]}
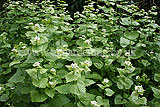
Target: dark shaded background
{"type": "Point", "coordinates": [77, 5]}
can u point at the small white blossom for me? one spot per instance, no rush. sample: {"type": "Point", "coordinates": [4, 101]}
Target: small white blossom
{"type": "Point", "coordinates": [106, 80]}
{"type": "Point", "coordinates": [87, 62]}
{"type": "Point", "coordinates": [94, 103]}
{"type": "Point", "coordinates": [37, 25]}
{"type": "Point", "coordinates": [151, 52]}
{"type": "Point", "coordinates": [13, 88]}
{"type": "Point", "coordinates": [23, 47]}
{"type": "Point", "coordinates": [31, 23]}
{"type": "Point", "coordinates": [110, 42]}
{"type": "Point", "coordinates": [87, 41]}
{"type": "Point", "coordinates": [36, 64]}
{"type": "Point", "coordinates": [74, 66]}
{"type": "Point", "coordinates": [128, 63]}
{"type": "Point", "coordinates": [59, 50]}
{"type": "Point", "coordinates": [53, 70]}
{"type": "Point", "coordinates": [127, 54]}
{"type": "Point", "coordinates": [137, 77]}
{"type": "Point", "coordinates": [51, 83]}
{"type": "Point", "coordinates": [0, 88]}
{"type": "Point", "coordinates": [139, 89]}
{"type": "Point", "coordinates": [37, 38]}
{"type": "Point", "coordinates": [14, 50]}
{"type": "Point", "coordinates": [65, 45]}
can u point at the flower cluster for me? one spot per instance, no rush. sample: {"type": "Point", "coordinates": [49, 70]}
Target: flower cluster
{"type": "Point", "coordinates": [139, 89]}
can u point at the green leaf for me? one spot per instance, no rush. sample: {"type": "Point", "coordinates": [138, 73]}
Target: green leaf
{"type": "Point", "coordinates": [32, 73]}
{"type": "Point", "coordinates": [131, 35]}
{"type": "Point", "coordinates": [4, 97]}
{"type": "Point", "coordinates": [98, 65]}
{"type": "Point", "coordinates": [94, 76]}
{"type": "Point", "coordinates": [17, 77]}
{"type": "Point", "coordinates": [156, 92]}
{"type": "Point", "coordinates": [32, 59]}
{"type": "Point", "coordinates": [124, 82]}
{"type": "Point", "coordinates": [78, 88]}
{"type": "Point", "coordinates": [63, 89]}
{"type": "Point", "coordinates": [118, 100]}
{"type": "Point", "coordinates": [50, 92]}
{"type": "Point", "coordinates": [124, 42]}
{"type": "Point", "coordinates": [14, 62]}
{"type": "Point", "coordinates": [101, 101]}
{"type": "Point", "coordinates": [88, 82]}
{"type": "Point", "coordinates": [60, 43]}
{"type": "Point", "coordinates": [145, 63]}
{"type": "Point", "coordinates": [41, 83]}
{"type": "Point", "coordinates": [109, 92]}
{"type": "Point", "coordinates": [42, 70]}
{"type": "Point", "coordinates": [37, 97]}
{"type": "Point", "coordinates": [157, 77]}
{"type": "Point", "coordinates": [72, 76]}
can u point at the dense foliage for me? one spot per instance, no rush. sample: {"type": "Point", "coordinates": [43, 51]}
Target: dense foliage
{"type": "Point", "coordinates": [109, 58]}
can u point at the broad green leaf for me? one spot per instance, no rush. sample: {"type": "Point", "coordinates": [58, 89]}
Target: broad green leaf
{"type": "Point", "coordinates": [37, 97]}
{"type": "Point", "coordinates": [72, 76]}
{"type": "Point", "coordinates": [101, 101]}
{"type": "Point", "coordinates": [32, 73]}
{"type": "Point", "coordinates": [118, 100]}
{"type": "Point", "coordinates": [124, 82]}
{"type": "Point", "coordinates": [131, 35]}
{"type": "Point", "coordinates": [156, 92]}
{"type": "Point", "coordinates": [88, 82]}
{"type": "Point", "coordinates": [78, 88]}
{"type": "Point", "coordinates": [145, 63]}
{"type": "Point", "coordinates": [61, 43]}
{"type": "Point", "coordinates": [157, 77]}
{"type": "Point", "coordinates": [32, 59]}
{"type": "Point", "coordinates": [14, 62]}
{"type": "Point", "coordinates": [50, 92]}
{"type": "Point", "coordinates": [17, 77]}
{"type": "Point", "coordinates": [4, 97]}
{"type": "Point", "coordinates": [94, 76]}
{"type": "Point", "coordinates": [109, 92]}
{"type": "Point", "coordinates": [41, 83]}
{"type": "Point", "coordinates": [63, 89]}
{"type": "Point", "coordinates": [42, 70]}
{"type": "Point", "coordinates": [124, 42]}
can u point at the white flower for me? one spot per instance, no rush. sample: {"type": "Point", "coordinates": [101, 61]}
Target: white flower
{"type": "Point", "coordinates": [74, 66]}
{"type": "Point", "coordinates": [151, 52]}
{"type": "Point", "coordinates": [137, 77]}
{"type": "Point", "coordinates": [127, 54]}
{"type": "Point", "coordinates": [36, 64]}
{"type": "Point", "coordinates": [37, 38]}
{"type": "Point", "coordinates": [128, 63]}
{"type": "Point", "coordinates": [13, 88]}
{"type": "Point", "coordinates": [0, 88]}
{"type": "Point", "coordinates": [87, 41]}
{"type": "Point", "coordinates": [139, 89]}
{"type": "Point", "coordinates": [65, 45]}
{"type": "Point", "coordinates": [107, 48]}
{"type": "Point", "coordinates": [51, 83]}
{"type": "Point", "coordinates": [59, 51]}
{"type": "Point", "coordinates": [37, 25]}
{"type": "Point", "coordinates": [23, 47]}
{"type": "Point", "coordinates": [87, 62]}
{"type": "Point", "coordinates": [106, 80]}
{"type": "Point", "coordinates": [110, 42]}
{"type": "Point", "coordinates": [14, 50]}
{"type": "Point", "coordinates": [94, 103]}
{"type": "Point", "coordinates": [53, 70]}
{"type": "Point", "coordinates": [31, 23]}
{"type": "Point", "coordinates": [103, 30]}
